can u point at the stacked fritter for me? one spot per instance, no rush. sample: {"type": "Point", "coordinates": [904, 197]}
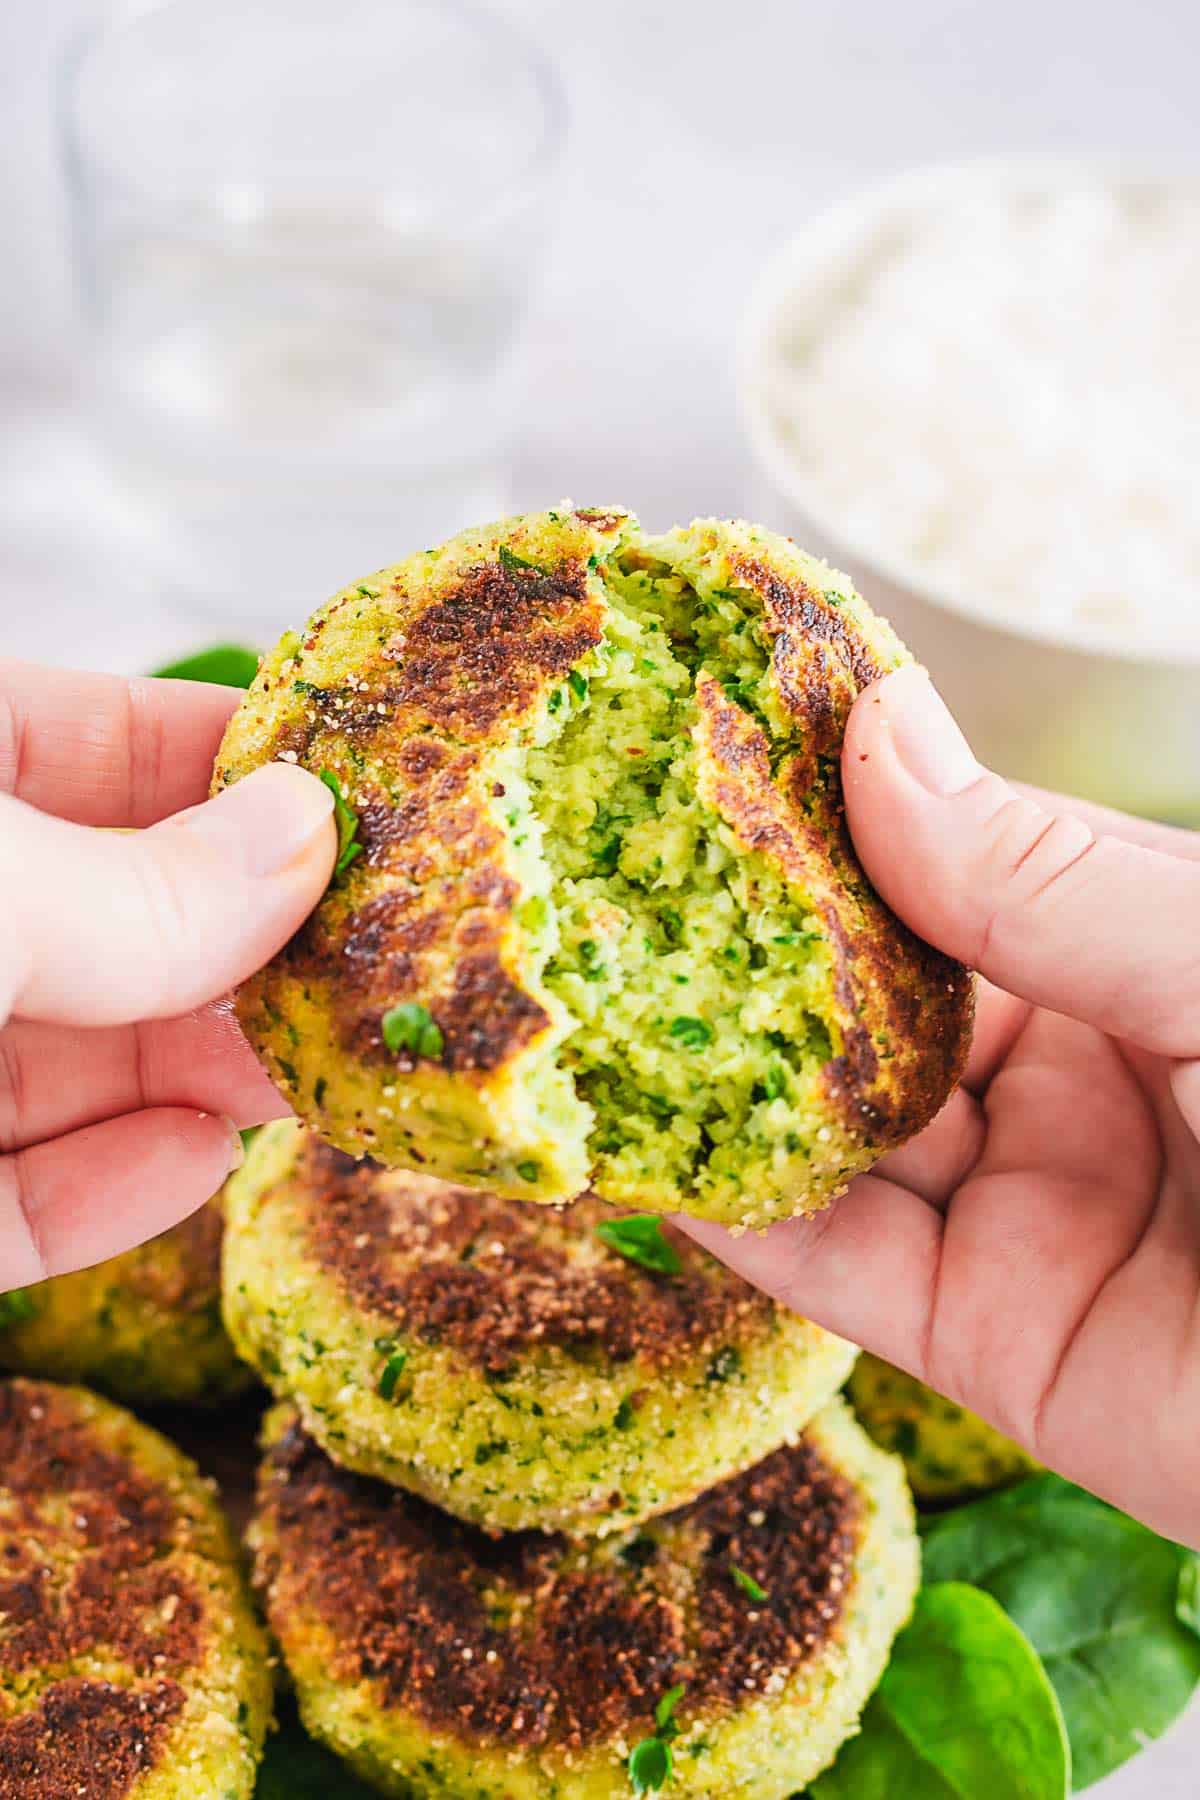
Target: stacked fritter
{"type": "Point", "coordinates": [554, 1503]}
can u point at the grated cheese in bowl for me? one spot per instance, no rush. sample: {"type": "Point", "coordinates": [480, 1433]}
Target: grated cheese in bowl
{"type": "Point", "coordinates": [993, 385]}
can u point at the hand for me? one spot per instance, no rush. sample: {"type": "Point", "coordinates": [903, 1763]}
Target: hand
{"type": "Point", "coordinates": [1035, 1254]}
{"type": "Point", "coordinates": [122, 1083]}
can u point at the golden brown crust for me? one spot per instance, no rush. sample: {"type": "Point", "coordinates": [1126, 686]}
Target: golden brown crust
{"type": "Point", "coordinates": [460, 650]}
{"type": "Point", "coordinates": [72, 1504]}
{"type": "Point", "coordinates": [411, 688]}
{"type": "Point", "coordinates": [498, 1278]}
{"type": "Point", "coordinates": [890, 988]}
{"type": "Point", "coordinates": [521, 1641]}
{"type": "Point", "coordinates": [87, 1737]}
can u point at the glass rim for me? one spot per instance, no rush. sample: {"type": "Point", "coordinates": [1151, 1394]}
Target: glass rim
{"type": "Point", "coordinates": [120, 16]}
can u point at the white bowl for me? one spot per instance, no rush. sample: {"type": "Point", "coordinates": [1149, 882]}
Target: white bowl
{"type": "Point", "coordinates": [1069, 712]}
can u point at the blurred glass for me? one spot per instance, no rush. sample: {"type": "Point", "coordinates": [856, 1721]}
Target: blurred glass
{"type": "Point", "coordinates": [305, 232]}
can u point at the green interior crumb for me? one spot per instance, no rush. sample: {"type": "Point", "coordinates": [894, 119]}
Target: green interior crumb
{"type": "Point", "coordinates": [698, 987]}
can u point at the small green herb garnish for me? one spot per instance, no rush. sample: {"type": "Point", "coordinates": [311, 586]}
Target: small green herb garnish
{"type": "Point", "coordinates": [693, 1034]}
{"type": "Point", "coordinates": [651, 1762]}
{"type": "Point", "coordinates": [664, 1712]}
{"type": "Point", "coordinates": [512, 562]}
{"type": "Point", "coordinates": [624, 1415]}
{"type": "Point", "coordinates": [577, 684]}
{"type": "Point", "coordinates": [650, 1765]}
{"type": "Point", "coordinates": [319, 1087]}
{"type": "Point", "coordinates": [393, 1369]}
{"type": "Point", "coordinates": [748, 1585]}
{"type": "Point", "coordinates": [411, 1026]}
{"type": "Point", "coordinates": [774, 1082]}
{"type": "Point", "coordinates": [639, 1238]}
{"type": "Point", "coordinates": [671, 921]}
{"type": "Point", "coordinates": [347, 823]}
{"type": "Point", "coordinates": [16, 1306]}
{"type": "Point", "coordinates": [528, 1171]}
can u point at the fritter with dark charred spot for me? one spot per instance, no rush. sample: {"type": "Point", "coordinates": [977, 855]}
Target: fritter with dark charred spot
{"type": "Point", "coordinates": [511, 1363]}
{"type": "Point", "coordinates": [597, 917]}
{"type": "Point", "coordinates": [131, 1664]}
{"type": "Point", "coordinates": [739, 1636]}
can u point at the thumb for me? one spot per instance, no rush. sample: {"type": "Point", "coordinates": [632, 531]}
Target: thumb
{"type": "Point", "coordinates": [105, 928]}
{"type": "Point", "coordinates": [1031, 895]}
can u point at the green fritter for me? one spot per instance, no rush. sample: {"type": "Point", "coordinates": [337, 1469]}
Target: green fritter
{"type": "Point", "coordinates": [597, 919]}
{"type": "Point", "coordinates": [572, 1368]}
{"type": "Point", "coordinates": [950, 1454]}
{"type": "Point", "coordinates": [733, 1642]}
{"type": "Point", "coordinates": [144, 1327]}
{"type": "Point", "coordinates": [131, 1664]}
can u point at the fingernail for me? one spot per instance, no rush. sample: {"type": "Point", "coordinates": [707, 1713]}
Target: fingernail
{"type": "Point", "coordinates": [266, 819]}
{"type": "Point", "coordinates": [925, 735]}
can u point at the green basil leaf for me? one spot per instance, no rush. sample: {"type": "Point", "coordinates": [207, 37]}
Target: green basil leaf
{"type": "Point", "coordinates": [639, 1238]}
{"type": "Point", "coordinates": [964, 1711]}
{"type": "Point", "coordinates": [229, 665]}
{"type": "Point", "coordinates": [1097, 1595]}
{"type": "Point", "coordinates": [1187, 1593]}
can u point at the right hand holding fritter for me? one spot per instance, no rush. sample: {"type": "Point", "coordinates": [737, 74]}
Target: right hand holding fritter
{"type": "Point", "coordinates": [1035, 1254]}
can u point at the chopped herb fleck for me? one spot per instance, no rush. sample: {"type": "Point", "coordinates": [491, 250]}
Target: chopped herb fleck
{"type": "Point", "coordinates": [528, 1171]}
{"type": "Point", "coordinates": [693, 1034]}
{"type": "Point", "coordinates": [288, 1071]}
{"type": "Point", "coordinates": [672, 923]}
{"type": "Point", "coordinates": [411, 1026]}
{"type": "Point", "coordinates": [512, 562]}
{"type": "Point", "coordinates": [555, 700]}
{"type": "Point", "coordinates": [724, 1366]}
{"type": "Point", "coordinates": [393, 1369]}
{"type": "Point", "coordinates": [748, 1585]}
{"type": "Point", "coordinates": [639, 1238]}
{"type": "Point", "coordinates": [16, 1306]}
{"type": "Point", "coordinates": [774, 1082]}
{"type": "Point", "coordinates": [347, 823]}
{"type": "Point", "coordinates": [577, 684]}
{"type": "Point", "coordinates": [650, 1765]}
{"type": "Point", "coordinates": [319, 1087]}
{"type": "Point", "coordinates": [664, 1712]}
{"type": "Point", "coordinates": [624, 1415]}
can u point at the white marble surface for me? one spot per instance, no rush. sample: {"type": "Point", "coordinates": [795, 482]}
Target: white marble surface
{"type": "Point", "coordinates": [701, 134]}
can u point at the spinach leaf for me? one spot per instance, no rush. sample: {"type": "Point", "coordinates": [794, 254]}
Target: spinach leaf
{"type": "Point", "coordinates": [964, 1710]}
{"type": "Point", "coordinates": [1102, 1599]}
{"type": "Point", "coordinates": [232, 665]}
{"type": "Point", "coordinates": [294, 1768]}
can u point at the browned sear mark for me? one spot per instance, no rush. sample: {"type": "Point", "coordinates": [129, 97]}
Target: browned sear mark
{"type": "Point", "coordinates": [407, 1591]}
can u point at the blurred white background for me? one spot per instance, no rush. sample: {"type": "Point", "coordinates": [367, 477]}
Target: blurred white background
{"type": "Point", "coordinates": [701, 135]}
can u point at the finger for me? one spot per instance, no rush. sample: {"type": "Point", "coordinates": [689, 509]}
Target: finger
{"type": "Point", "coordinates": [865, 1268]}
{"type": "Point", "coordinates": [1094, 927]}
{"type": "Point", "coordinates": [103, 929]}
{"type": "Point", "coordinates": [1058, 1199]}
{"type": "Point", "coordinates": [1106, 821]}
{"type": "Point", "coordinates": [999, 1020]}
{"type": "Point", "coordinates": [102, 750]}
{"type": "Point", "coordinates": [934, 1164]}
{"type": "Point", "coordinates": [73, 1202]}
{"type": "Point", "coordinates": [54, 1080]}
